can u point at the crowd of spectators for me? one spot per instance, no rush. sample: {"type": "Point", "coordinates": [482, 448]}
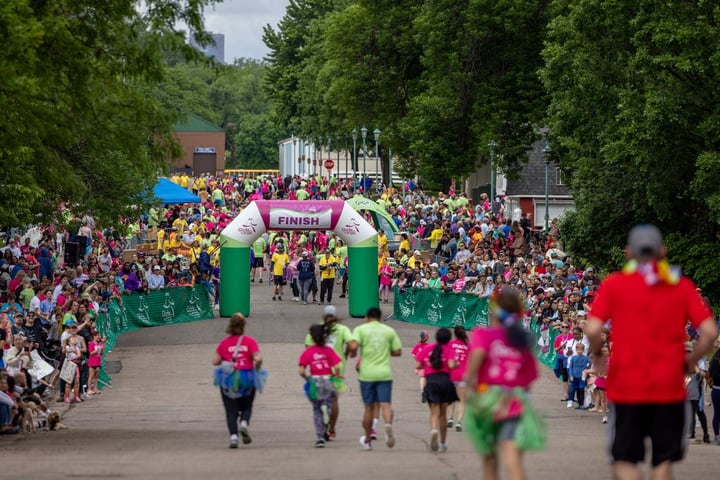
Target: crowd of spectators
{"type": "Point", "coordinates": [447, 243]}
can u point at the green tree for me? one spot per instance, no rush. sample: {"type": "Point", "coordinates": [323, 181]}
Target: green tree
{"type": "Point", "coordinates": [634, 117]}
{"type": "Point", "coordinates": [78, 125]}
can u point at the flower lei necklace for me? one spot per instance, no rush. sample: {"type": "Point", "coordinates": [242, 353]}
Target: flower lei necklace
{"type": "Point", "coordinates": [654, 272]}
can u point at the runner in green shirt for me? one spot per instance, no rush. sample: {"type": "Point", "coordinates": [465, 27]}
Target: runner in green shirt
{"type": "Point", "coordinates": [377, 342]}
{"type": "Point", "coordinates": [259, 251]}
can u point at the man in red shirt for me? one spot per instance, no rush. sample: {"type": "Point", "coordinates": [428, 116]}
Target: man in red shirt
{"type": "Point", "coordinates": [648, 304]}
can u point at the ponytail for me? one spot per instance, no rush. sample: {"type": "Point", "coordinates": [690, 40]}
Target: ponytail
{"type": "Point", "coordinates": [442, 337]}
{"type": "Point", "coordinates": [508, 309]}
{"type": "Point", "coordinates": [318, 335]}
{"type": "Point", "coordinates": [517, 336]}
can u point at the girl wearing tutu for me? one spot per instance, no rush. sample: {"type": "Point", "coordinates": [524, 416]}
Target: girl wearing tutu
{"type": "Point", "coordinates": [323, 364]}
{"type": "Point", "coordinates": [437, 360]}
{"type": "Point", "coordinates": [239, 359]}
{"type": "Point", "coordinates": [500, 369]}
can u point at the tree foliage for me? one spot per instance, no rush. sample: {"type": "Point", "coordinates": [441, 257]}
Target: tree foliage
{"type": "Point", "coordinates": [232, 97]}
{"type": "Point", "coordinates": [440, 78]}
{"type": "Point", "coordinates": [77, 124]}
{"type": "Point", "coordinates": [634, 117]}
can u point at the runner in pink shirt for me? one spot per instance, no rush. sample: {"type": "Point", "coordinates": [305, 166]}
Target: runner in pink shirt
{"type": "Point", "coordinates": [323, 362]}
{"type": "Point", "coordinates": [460, 347]}
{"type": "Point", "coordinates": [243, 351]}
{"type": "Point", "coordinates": [437, 360]}
{"type": "Point", "coordinates": [500, 369]}
{"type": "Point", "coordinates": [419, 347]}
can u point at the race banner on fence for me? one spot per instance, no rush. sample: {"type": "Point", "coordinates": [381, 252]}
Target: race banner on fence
{"type": "Point", "coordinates": [170, 306]}
{"type": "Point", "coordinates": [544, 339]}
{"type": "Point", "coordinates": [440, 309]}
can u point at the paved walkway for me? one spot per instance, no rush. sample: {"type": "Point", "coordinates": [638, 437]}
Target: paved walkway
{"type": "Point", "coordinates": [164, 419]}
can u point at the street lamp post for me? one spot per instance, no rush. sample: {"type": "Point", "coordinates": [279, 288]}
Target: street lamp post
{"type": "Point", "coordinates": [354, 159]}
{"type": "Point", "coordinates": [329, 145]}
{"type": "Point", "coordinates": [390, 175]}
{"type": "Point", "coordinates": [492, 146]}
{"type": "Point", "coordinates": [363, 133]}
{"type": "Point", "coordinates": [337, 151]}
{"type": "Point", "coordinates": [294, 157]}
{"type": "Point", "coordinates": [546, 152]}
{"type": "Point", "coordinates": [376, 134]}
{"type": "Point", "coordinates": [346, 158]}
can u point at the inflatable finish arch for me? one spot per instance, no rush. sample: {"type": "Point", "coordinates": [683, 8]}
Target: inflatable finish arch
{"type": "Point", "coordinates": [263, 215]}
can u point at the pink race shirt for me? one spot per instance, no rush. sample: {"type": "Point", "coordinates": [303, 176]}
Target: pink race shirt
{"type": "Point", "coordinates": [424, 358]}
{"type": "Point", "coordinates": [95, 359]}
{"type": "Point", "coordinates": [320, 359]}
{"type": "Point", "coordinates": [504, 364]}
{"type": "Point", "coordinates": [419, 347]}
{"type": "Point", "coordinates": [248, 347]}
{"type": "Point", "coordinates": [461, 351]}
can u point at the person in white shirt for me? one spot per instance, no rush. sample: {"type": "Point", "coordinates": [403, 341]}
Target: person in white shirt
{"type": "Point", "coordinates": [156, 281]}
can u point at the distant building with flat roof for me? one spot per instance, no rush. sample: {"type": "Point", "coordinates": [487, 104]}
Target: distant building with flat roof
{"type": "Point", "coordinates": [216, 51]}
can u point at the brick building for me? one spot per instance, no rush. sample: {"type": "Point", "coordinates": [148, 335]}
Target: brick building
{"type": "Point", "coordinates": [203, 145]}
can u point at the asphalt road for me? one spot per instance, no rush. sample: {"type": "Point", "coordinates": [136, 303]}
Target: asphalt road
{"type": "Point", "coordinates": [164, 419]}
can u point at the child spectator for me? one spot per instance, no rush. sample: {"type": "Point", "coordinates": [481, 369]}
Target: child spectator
{"type": "Point", "coordinates": [96, 349]}
{"type": "Point", "coordinates": [576, 366]}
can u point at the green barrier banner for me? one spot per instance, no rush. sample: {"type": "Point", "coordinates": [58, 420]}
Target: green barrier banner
{"type": "Point", "coordinates": [170, 306]}
{"type": "Point", "coordinates": [440, 309]}
{"type": "Point", "coordinates": [543, 346]}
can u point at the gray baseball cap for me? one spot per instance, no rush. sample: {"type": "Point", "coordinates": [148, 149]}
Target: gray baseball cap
{"type": "Point", "coordinates": [645, 241]}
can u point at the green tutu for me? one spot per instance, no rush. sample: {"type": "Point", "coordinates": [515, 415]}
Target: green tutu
{"type": "Point", "coordinates": [483, 426]}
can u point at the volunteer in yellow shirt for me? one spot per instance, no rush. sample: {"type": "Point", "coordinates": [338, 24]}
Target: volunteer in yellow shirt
{"type": "Point", "coordinates": [279, 259]}
{"type": "Point", "coordinates": [328, 264]}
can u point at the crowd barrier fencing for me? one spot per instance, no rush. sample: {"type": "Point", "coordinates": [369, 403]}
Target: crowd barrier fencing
{"type": "Point", "coordinates": [436, 309]}
{"type": "Point", "coordinates": [170, 306]}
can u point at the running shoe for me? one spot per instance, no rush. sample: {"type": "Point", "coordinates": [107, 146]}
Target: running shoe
{"type": "Point", "coordinates": [717, 439]}
{"type": "Point", "coordinates": [320, 444]}
{"type": "Point", "coordinates": [423, 397]}
{"type": "Point", "coordinates": [450, 422]}
{"type": "Point", "coordinates": [365, 445]}
{"type": "Point", "coordinates": [233, 441]}
{"type": "Point", "coordinates": [604, 420]}
{"type": "Point", "coordinates": [273, 299]}
{"type": "Point", "coordinates": [458, 427]}
{"type": "Point", "coordinates": [706, 438]}
{"type": "Point", "coordinates": [434, 435]}
{"type": "Point", "coordinates": [261, 280]}
{"type": "Point", "coordinates": [331, 435]}
{"type": "Point", "coordinates": [373, 434]}
{"type": "Point", "coordinates": [443, 447]}
{"type": "Point", "coordinates": [569, 404]}
{"type": "Point", "coordinates": [389, 437]}
{"type": "Point", "coordinates": [245, 434]}
{"type": "Point", "coordinates": [280, 298]}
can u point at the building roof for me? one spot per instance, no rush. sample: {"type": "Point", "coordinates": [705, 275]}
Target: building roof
{"type": "Point", "coordinates": [193, 123]}
{"type": "Point", "coordinates": [531, 179]}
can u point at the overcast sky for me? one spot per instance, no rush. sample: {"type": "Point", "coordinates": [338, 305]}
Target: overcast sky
{"type": "Point", "coordinates": [242, 22]}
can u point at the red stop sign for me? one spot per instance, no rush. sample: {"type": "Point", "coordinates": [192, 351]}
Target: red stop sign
{"type": "Point", "coordinates": [329, 164]}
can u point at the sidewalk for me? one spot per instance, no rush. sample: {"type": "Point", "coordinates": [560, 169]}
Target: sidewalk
{"type": "Point", "coordinates": [142, 430]}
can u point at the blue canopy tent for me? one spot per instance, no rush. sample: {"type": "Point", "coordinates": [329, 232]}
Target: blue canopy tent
{"type": "Point", "coordinates": [169, 192]}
